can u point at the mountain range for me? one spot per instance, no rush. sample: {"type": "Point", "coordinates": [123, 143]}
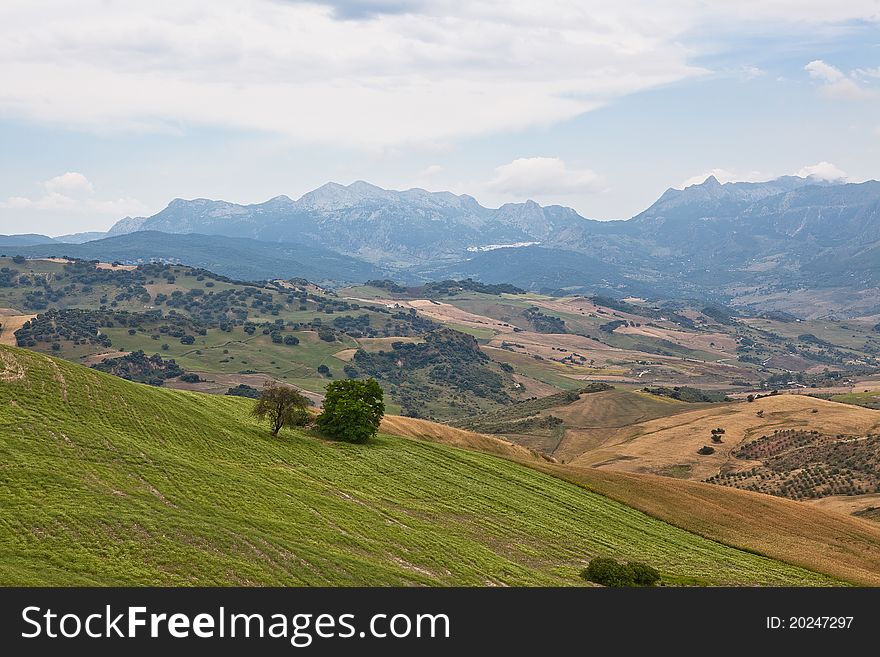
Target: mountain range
{"type": "Point", "coordinates": [711, 240]}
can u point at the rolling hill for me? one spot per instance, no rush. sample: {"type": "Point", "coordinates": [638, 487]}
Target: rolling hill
{"type": "Point", "coordinates": [670, 444]}
{"type": "Point", "coordinates": [105, 481]}
{"type": "Point", "coordinates": [238, 258]}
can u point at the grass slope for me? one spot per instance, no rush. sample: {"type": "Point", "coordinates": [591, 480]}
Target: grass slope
{"type": "Point", "coordinates": [108, 482]}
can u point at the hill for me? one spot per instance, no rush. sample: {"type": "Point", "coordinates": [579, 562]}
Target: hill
{"type": "Point", "coordinates": [228, 332]}
{"type": "Point", "coordinates": [105, 481]}
{"type": "Point", "coordinates": [13, 241]}
{"type": "Point", "coordinates": [805, 534]}
{"type": "Point", "coordinates": [566, 425]}
{"type": "Point", "coordinates": [668, 445]}
{"type": "Point", "coordinates": [238, 258]}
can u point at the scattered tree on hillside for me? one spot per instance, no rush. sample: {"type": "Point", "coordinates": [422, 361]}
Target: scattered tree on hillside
{"type": "Point", "coordinates": [352, 410]}
{"type": "Point", "coordinates": [705, 450]}
{"type": "Point", "coordinates": [281, 405]}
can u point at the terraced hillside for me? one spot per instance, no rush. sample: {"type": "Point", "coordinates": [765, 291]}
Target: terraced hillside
{"type": "Point", "coordinates": [104, 481]}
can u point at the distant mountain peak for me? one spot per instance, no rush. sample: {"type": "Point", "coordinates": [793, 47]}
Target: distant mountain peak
{"type": "Point", "coordinates": [363, 187]}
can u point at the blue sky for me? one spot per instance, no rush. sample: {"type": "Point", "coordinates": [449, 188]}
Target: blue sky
{"type": "Point", "coordinates": [109, 109]}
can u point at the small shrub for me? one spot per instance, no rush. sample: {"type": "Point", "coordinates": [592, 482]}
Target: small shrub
{"type": "Point", "coordinates": [705, 450]}
{"type": "Point", "coordinates": [609, 572]}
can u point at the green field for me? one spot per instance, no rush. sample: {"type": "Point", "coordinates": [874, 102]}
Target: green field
{"type": "Point", "coordinates": [233, 352]}
{"type": "Point", "coordinates": [868, 399]}
{"type": "Point", "coordinates": [103, 481]}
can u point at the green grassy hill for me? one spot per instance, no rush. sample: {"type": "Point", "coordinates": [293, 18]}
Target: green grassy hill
{"type": "Point", "coordinates": [103, 481]}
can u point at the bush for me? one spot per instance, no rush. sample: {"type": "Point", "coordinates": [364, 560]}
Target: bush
{"type": "Point", "coordinates": [705, 450]}
{"type": "Point", "coordinates": [643, 574]}
{"type": "Point", "coordinates": [609, 572]}
{"type": "Point", "coordinates": [189, 378]}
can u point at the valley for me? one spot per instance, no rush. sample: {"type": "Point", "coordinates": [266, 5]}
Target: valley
{"type": "Point", "coordinates": [621, 397]}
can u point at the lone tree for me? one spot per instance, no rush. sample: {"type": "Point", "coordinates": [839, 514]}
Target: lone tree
{"type": "Point", "coordinates": [282, 406]}
{"type": "Point", "coordinates": [352, 410]}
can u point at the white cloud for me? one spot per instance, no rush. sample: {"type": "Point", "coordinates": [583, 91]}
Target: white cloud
{"type": "Point", "coordinates": [867, 72]}
{"type": "Point", "coordinates": [70, 184]}
{"type": "Point", "coordinates": [822, 171]}
{"type": "Point", "coordinates": [73, 193]}
{"type": "Point", "coordinates": [536, 177]}
{"type": "Point", "coordinates": [752, 72]}
{"type": "Point", "coordinates": [371, 72]}
{"type": "Point", "coordinates": [824, 72]}
{"type": "Point", "coordinates": [834, 83]}
{"type": "Point", "coordinates": [726, 176]}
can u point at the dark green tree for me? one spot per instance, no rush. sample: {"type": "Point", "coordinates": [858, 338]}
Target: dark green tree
{"type": "Point", "coordinates": [352, 410]}
{"type": "Point", "coordinates": [281, 405]}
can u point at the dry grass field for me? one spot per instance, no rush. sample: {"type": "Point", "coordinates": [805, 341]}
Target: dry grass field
{"type": "Point", "coordinates": [440, 433]}
{"type": "Point", "coordinates": [10, 322]}
{"type": "Point", "coordinates": [712, 342]}
{"type": "Point", "coordinates": [666, 442]}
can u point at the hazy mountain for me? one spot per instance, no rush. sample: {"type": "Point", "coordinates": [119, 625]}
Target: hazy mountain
{"type": "Point", "coordinates": [703, 226]}
{"type": "Point", "coordinates": [238, 258]}
{"type": "Point", "coordinates": [24, 240]}
{"type": "Point", "coordinates": [127, 225]}
{"type": "Point", "coordinates": [709, 240]}
{"type": "Point", "coordinates": [379, 225]}
{"type": "Point", "coordinates": [80, 238]}
{"type": "Point", "coordinates": [543, 269]}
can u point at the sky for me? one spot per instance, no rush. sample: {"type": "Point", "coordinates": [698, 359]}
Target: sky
{"type": "Point", "coordinates": [110, 108]}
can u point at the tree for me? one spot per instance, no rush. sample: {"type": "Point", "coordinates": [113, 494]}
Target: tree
{"type": "Point", "coordinates": [281, 405]}
{"type": "Point", "coordinates": [353, 410]}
